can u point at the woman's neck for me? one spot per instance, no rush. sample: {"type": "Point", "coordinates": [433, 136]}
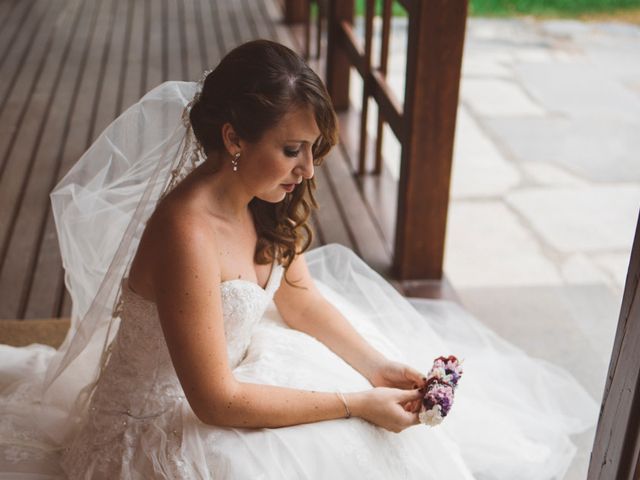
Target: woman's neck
{"type": "Point", "coordinates": [226, 193]}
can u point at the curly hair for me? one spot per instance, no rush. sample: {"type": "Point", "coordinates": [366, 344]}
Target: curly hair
{"type": "Point", "coordinates": [252, 88]}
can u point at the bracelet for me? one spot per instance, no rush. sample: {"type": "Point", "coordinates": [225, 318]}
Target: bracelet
{"type": "Point", "coordinates": [346, 407]}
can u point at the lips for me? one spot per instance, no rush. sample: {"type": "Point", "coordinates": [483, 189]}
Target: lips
{"type": "Point", "coordinates": [288, 187]}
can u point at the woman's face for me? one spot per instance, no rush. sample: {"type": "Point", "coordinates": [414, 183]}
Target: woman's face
{"type": "Point", "coordinates": [282, 158]}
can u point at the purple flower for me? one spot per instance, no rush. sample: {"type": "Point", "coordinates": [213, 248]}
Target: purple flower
{"type": "Point", "coordinates": [438, 389]}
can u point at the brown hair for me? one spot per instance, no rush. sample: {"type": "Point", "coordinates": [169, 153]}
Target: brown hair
{"type": "Point", "coordinates": [252, 88]}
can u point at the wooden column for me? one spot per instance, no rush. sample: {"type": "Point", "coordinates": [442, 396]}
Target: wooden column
{"type": "Point", "coordinates": [338, 65]}
{"type": "Point", "coordinates": [296, 11]}
{"type": "Point", "coordinates": [434, 58]}
{"type": "Point", "coordinates": [366, 87]}
{"type": "Point", "coordinates": [384, 61]}
{"type": "Point", "coordinates": [616, 448]}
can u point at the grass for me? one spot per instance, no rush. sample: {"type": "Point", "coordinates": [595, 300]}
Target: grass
{"type": "Point", "coordinates": [589, 10]}
{"type": "Point", "coordinates": [549, 7]}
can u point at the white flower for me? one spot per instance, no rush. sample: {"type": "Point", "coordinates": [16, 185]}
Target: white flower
{"type": "Point", "coordinates": [430, 417]}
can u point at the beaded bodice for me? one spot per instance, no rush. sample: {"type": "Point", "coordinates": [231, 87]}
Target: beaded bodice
{"type": "Point", "coordinates": [139, 378]}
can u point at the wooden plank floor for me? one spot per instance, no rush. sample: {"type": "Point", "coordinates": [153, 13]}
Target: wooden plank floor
{"type": "Point", "coordinates": [69, 67]}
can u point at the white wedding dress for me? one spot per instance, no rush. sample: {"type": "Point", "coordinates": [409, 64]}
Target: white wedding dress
{"type": "Point", "coordinates": [511, 418]}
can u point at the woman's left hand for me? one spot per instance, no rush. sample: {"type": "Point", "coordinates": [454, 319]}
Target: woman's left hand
{"type": "Point", "coordinates": [398, 375]}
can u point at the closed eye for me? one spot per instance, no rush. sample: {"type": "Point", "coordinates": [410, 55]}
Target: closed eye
{"type": "Point", "coordinates": [291, 153]}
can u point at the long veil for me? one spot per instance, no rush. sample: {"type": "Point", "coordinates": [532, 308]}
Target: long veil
{"type": "Point", "coordinates": [100, 208]}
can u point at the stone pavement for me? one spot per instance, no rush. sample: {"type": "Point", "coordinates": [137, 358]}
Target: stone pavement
{"type": "Point", "coordinates": [546, 186]}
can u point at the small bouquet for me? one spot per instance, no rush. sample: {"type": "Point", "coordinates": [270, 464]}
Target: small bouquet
{"type": "Point", "coordinates": [438, 390]}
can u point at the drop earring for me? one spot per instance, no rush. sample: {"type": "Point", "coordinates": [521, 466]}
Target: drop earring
{"type": "Point", "coordinates": [234, 162]}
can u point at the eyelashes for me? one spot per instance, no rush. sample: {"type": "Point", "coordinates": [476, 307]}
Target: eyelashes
{"type": "Point", "coordinates": [291, 153]}
{"type": "Point", "coordinates": [294, 152]}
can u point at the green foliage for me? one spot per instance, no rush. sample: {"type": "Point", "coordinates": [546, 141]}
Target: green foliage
{"type": "Point", "coordinates": [396, 9]}
{"type": "Point", "coordinates": [562, 7]}
{"type": "Point", "coordinates": [507, 7]}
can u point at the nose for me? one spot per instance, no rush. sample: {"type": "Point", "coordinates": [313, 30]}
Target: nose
{"type": "Point", "coordinates": [305, 167]}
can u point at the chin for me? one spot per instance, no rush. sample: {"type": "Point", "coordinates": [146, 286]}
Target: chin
{"type": "Point", "coordinates": [275, 197]}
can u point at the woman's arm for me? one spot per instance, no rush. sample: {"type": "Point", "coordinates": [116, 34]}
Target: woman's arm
{"type": "Point", "coordinates": [267, 406]}
{"type": "Point", "coordinates": [305, 309]}
{"type": "Point", "coordinates": [186, 285]}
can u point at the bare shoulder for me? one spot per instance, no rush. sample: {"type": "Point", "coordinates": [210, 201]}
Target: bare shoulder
{"type": "Point", "coordinates": [183, 229]}
{"type": "Point", "coordinates": [178, 246]}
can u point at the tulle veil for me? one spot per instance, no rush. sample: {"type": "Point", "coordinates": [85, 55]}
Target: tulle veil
{"type": "Point", "coordinates": [100, 208]}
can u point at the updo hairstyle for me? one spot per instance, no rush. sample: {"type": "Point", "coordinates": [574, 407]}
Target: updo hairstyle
{"type": "Point", "coordinates": [252, 88]}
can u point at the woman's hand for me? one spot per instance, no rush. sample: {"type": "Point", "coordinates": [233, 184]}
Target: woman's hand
{"type": "Point", "coordinates": [398, 375]}
{"type": "Point", "coordinates": [383, 406]}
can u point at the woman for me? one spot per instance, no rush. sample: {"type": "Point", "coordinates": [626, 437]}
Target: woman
{"type": "Point", "coordinates": [234, 348]}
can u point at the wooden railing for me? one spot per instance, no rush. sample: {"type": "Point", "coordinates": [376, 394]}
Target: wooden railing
{"type": "Point", "coordinates": [616, 447]}
{"type": "Point", "coordinates": [299, 11]}
{"type": "Point", "coordinates": [424, 123]}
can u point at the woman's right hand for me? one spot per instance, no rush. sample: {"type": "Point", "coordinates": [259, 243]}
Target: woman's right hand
{"type": "Point", "coordinates": [385, 407]}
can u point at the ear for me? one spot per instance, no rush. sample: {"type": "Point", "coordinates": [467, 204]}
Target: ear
{"type": "Point", "coordinates": [231, 139]}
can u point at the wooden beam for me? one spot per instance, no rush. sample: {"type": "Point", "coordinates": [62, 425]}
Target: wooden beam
{"type": "Point", "coordinates": [366, 84]}
{"type": "Point", "coordinates": [434, 58]}
{"type": "Point", "coordinates": [19, 333]}
{"type": "Point", "coordinates": [407, 4]}
{"type": "Point", "coordinates": [615, 450]}
{"type": "Point", "coordinates": [296, 11]}
{"type": "Point", "coordinates": [388, 104]}
{"type": "Point", "coordinates": [338, 67]}
{"type": "Point", "coordinates": [349, 42]}
{"type": "Point", "coordinates": [382, 70]}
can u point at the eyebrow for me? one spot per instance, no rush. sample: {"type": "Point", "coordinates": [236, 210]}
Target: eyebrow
{"type": "Point", "coordinates": [304, 141]}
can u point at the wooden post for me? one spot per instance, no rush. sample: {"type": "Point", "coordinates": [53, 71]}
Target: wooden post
{"type": "Point", "coordinates": [320, 15]}
{"type": "Point", "coordinates": [616, 448]}
{"type": "Point", "coordinates": [296, 11]}
{"type": "Point", "coordinates": [307, 32]}
{"type": "Point", "coordinates": [384, 60]}
{"type": "Point", "coordinates": [338, 65]}
{"type": "Point", "coordinates": [434, 58]}
{"type": "Point", "coordinates": [366, 84]}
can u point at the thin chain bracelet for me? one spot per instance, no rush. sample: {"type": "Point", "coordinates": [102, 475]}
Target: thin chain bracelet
{"type": "Point", "coordinates": [346, 407]}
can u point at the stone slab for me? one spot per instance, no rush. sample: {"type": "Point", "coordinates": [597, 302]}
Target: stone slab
{"type": "Point", "coordinates": [565, 28]}
{"type": "Point", "coordinates": [539, 54]}
{"type": "Point", "coordinates": [479, 169]}
{"type": "Point", "coordinates": [485, 61]}
{"type": "Point", "coordinates": [487, 245]}
{"type": "Point", "coordinates": [550, 175]}
{"type": "Point", "coordinates": [483, 67]}
{"type": "Point", "coordinates": [595, 148]}
{"type": "Point", "coordinates": [616, 266]}
{"type": "Point", "coordinates": [578, 269]}
{"type": "Point", "coordinates": [498, 98]}
{"type": "Point", "coordinates": [620, 61]}
{"type": "Point", "coordinates": [506, 33]}
{"type": "Point", "coordinates": [569, 326]}
{"type": "Point", "coordinates": [577, 89]}
{"type": "Point", "coordinates": [570, 220]}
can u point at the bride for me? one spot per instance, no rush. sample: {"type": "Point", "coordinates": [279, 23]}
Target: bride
{"type": "Point", "coordinates": [205, 342]}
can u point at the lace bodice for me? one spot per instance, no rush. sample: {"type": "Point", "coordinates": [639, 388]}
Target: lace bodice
{"type": "Point", "coordinates": [139, 385]}
{"type": "Point", "coordinates": [139, 351]}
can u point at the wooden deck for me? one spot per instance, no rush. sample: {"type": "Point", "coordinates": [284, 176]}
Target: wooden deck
{"type": "Point", "coordinates": [69, 67]}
